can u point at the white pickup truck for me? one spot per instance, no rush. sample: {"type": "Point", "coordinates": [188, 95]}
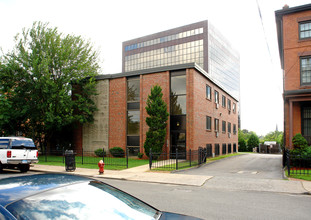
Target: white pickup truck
{"type": "Point", "coordinates": [17, 152]}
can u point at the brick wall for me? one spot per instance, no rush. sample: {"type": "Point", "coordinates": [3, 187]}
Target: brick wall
{"type": "Point", "coordinates": [117, 113]}
{"type": "Point", "coordinates": [198, 107]}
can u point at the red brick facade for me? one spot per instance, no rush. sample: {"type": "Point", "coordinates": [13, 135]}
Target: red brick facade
{"type": "Point", "coordinates": [292, 49]}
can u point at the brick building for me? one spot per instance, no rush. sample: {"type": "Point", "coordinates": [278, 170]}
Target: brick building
{"type": "Point", "coordinates": [294, 39]}
{"type": "Point", "coordinates": [201, 111]}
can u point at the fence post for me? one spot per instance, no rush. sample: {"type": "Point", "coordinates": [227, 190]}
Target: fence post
{"type": "Point", "coordinates": [190, 156]}
{"type": "Point", "coordinates": [127, 157]}
{"type": "Point", "coordinates": [288, 162]}
{"type": "Point", "coordinates": [103, 155]}
{"type": "Point", "coordinates": [63, 155]}
{"type": "Point", "coordinates": [176, 158]}
{"type": "Point", "coordinates": [150, 159]}
{"type": "Point", "coordinates": [82, 156]}
{"type": "Point", "coordinates": [46, 159]}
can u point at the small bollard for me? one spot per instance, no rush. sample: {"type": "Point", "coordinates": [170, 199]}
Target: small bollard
{"type": "Point", "coordinates": [101, 165]}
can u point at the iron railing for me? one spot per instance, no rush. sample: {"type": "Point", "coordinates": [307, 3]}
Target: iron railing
{"type": "Point", "coordinates": [85, 157]}
{"type": "Point", "coordinates": [297, 164]}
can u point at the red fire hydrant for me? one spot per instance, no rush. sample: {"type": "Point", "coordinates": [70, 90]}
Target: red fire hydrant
{"type": "Point", "coordinates": [101, 165]}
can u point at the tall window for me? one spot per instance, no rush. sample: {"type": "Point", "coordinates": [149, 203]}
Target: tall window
{"type": "Point", "coordinates": [223, 101]}
{"type": "Point", "coordinates": [208, 123]}
{"type": "Point", "coordinates": [234, 107]}
{"type": "Point", "coordinates": [223, 126]}
{"type": "Point", "coordinates": [133, 115]}
{"type": "Point", "coordinates": [305, 70]}
{"type": "Point", "coordinates": [234, 128]}
{"type": "Point", "coordinates": [305, 30]}
{"type": "Point", "coordinates": [216, 97]}
{"type": "Point", "coordinates": [178, 93]}
{"type": "Point", "coordinates": [306, 121]}
{"type": "Point", "coordinates": [229, 104]}
{"type": "Point", "coordinates": [224, 148]}
{"type": "Point", "coordinates": [229, 127]}
{"type": "Point", "coordinates": [216, 124]}
{"type": "Point", "coordinates": [208, 92]}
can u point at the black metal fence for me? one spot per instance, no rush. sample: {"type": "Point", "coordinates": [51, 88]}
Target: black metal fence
{"type": "Point", "coordinates": [179, 160]}
{"type": "Point", "coordinates": [85, 157]}
{"type": "Point", "coordinates": [296, 164]}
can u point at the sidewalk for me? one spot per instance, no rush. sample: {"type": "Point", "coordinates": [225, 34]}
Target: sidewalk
{"type": "Point", "coordinates": [140, 173]}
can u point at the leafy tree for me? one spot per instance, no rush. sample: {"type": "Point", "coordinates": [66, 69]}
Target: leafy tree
{"type": "Point", "coordinates": [253, 141]}
{"type": "Point", "coordinates": [37, 79]}
{"type": "Point", "coordinates": [157, 121]}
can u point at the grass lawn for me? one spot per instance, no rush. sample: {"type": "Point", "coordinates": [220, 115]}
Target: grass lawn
{"type": "Point", "coordinates": [91, 162]}
{"type": "Point", "coordinates": [299, 176]}
{"type": "Point", "coordinates": [186, 164]}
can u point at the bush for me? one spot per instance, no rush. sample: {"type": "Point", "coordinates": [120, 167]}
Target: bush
{"type": "Point", "coordinates": [117, 152]}
{"type": "Point", "coordinates": [140, 155]}
{"type": "Point", "coordinates": [299, 142]}
{"type": "Point", "coordinates": [100, 152]}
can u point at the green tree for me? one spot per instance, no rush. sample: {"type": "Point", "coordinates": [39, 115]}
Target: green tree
{"type": "Point", "coordinates": [157, 121]}
{"type": "Point", "coordinates": [253, 141]}
{"type": "Point", "coordinates": [242, 142]}
{"type": "Point", "coordinates": [37, 79]}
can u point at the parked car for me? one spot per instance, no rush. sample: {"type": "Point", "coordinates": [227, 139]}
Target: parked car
{"type": "Point", "coordinates": [63, 196]}
{"type": "Point", "coordinates": [17, 152]}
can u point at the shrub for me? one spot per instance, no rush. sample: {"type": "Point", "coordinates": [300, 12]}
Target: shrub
{"type": "Point", "coordinates": [299, 142]}
{"type": "Point", "coordinates": [100, 152]}
{"type": "Point", "coordinates": [117, 152]}
{"type": "Point", "coordinates": [140, 155]}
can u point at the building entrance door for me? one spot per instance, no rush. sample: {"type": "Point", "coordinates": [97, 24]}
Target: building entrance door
{"type": "Point", "coordinates": [178, 141]}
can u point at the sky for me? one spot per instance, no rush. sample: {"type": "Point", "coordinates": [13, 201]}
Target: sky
{"type": "Point", "coordinates": [108, 23]}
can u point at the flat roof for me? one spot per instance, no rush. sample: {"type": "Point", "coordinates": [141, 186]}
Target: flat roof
{"type": "Point", "coordinates": [164, 69]}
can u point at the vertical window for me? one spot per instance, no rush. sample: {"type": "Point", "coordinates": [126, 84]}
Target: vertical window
{"type": "Point", "coordinates": [133, 115]}
{"type": "Point", "coordinates": [216, 124]}
{"type": "Point", "coordinates": [223, 101]}
{"type": "Point", "coordinates": [306, 121]}
{"type": "Point", "coordinates": [208, 92]}
{"type": "Point", "coordinates": [224, 148]}
{"type": "Point", "coordinates": [229, 127]}
{"type": "Point", "coordinates": [234, 107]}
{"type": "Point", "coordinates": [229, 104]}
{"type": "Point", "coordinates": [305, 70]}
{"type": "Point", "coordinates": [223, 126]}
{"type": "Point", "coordinates": [305, 30]}
{"type": "Point", "coordinates": [234, 128]}
{"type": "Point", "coordinates": [178, 93]}
{"type": "Point", "coordinates": [216, 97]}
{"type": "Point", "coordinates": [216, 149]}
{"type": "Point", "coordinates": [208, 123]}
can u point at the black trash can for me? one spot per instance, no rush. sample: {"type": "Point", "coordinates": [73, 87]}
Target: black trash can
{"type": "Point", "coordinates": [70, 161]}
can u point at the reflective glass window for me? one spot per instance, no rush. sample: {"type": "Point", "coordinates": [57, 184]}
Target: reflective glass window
{"type": "Point", "coordinates": [208, 92]}
{"type": "Point", "coordinates": [208, 123]}
{"type": "Point", "coordinates": [305, 70]}
{"type": "Point", "coordinates": [133, 121]}
{"type": "Point", "coordinates": [178, 104]}
{"type": "Point", "coordinates": [223, 126]}
{"type": "Point", "coordinates": [133, 89]}
{"type": "Point", "coordinates": [305, 30]}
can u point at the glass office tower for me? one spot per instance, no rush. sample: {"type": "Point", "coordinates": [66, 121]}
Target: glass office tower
{"type": "Point", "coordinates": [200, 42]}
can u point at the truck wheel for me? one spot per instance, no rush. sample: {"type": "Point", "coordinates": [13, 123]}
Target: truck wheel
{"type": "Point", "coordinates": [24, 168]}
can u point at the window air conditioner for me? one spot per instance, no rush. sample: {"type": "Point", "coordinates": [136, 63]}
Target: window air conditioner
{"type": "Point", "coordinates": [216, 133]}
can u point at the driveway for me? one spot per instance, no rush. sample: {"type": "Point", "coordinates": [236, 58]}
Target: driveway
{"type": "Point", "coordinates": [248, 172]}
{"type": "Point", "coordinates": [261, 166]}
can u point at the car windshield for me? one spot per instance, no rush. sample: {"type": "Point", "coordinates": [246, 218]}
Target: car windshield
{"type": "Point", "coordinates": [22, 143]}
{"type": "Point", "coordinates": [90, 200]}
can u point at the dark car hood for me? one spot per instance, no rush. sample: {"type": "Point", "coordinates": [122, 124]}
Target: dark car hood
{"type": "Point", "coordinates": [173, 216]}
{"type": "Point", "coordinates": [11, 188]}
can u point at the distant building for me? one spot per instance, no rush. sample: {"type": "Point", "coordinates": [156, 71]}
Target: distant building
{"type": "Point", "coordinates": [200, 42]}
{"type": "Point", "coordinates": [294, 39]}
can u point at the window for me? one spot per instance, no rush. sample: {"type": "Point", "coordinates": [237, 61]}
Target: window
{"type": "Point", "coordinates": [305, 30]}
{"type": "Point", "coordinates": [223, 126]}
{"type": "Point", "coordinates": [178, 93]}
{"type": "Point", "coordinates": [234, 107]}
{"type": "Point", "coordinates": [229, 104]}
{"type": "Point", "coordinates": [208, 92]}
{"type": "Point", "coordinates": [224, 148]}
{"type": "Point", "coordinates": [216, 97]}
{"type": "Point", "coordinates": [223, 101]}
{"type": "Point", "coordinates": [306, 121]}
{"type": "Point", "coordinates": [208, 123]}
{"type": "Point", "coordinates": [216, 149]}
{"type": "Point", "coordinates": [133, 89]}
{"type": "Point", "coordinates": [234, 128]}
{"type": "Point", "coordinates": [229, 127]}
{"type": "Point", "coordinates": [216, 124]}
{"type": "Point", "coordinates": [305, 70]}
